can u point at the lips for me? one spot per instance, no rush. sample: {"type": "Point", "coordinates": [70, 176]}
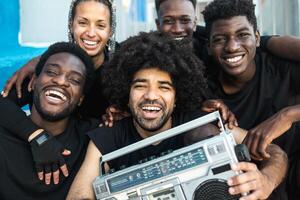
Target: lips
{"type": "Point", "coordinates": [90, 44]}
{"type": "Point", "coordinates": [234, 61]}
{"type": "Point", "coordinates": [55, 95]}
{"type": "Point", "coordinates": [151, 111]}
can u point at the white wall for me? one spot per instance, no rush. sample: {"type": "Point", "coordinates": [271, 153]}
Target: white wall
{"type": "Point", "coordinates": [43, 22]}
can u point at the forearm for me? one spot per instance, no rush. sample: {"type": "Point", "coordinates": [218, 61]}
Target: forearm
{"type": "Point", "coordinates": [287, 47]}
{"type": "Point", "coordinates": [15, 120]}
{"type": "Point", "coordinates": [275, 167]}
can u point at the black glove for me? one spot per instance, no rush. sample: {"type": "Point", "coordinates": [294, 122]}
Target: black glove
{"type": "Point", "coordinates": [47, 152]}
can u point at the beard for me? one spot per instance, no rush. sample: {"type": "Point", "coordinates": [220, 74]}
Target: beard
{"type": "Point", "coordinates": [50, 116]}
{"type": "Point", "coordinates": [150, 125]}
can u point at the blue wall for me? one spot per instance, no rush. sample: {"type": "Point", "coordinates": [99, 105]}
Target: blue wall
{"type": "Point", "coordinates": [9, 22]}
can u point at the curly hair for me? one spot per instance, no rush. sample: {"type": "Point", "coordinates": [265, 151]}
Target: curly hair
{"type": "Point", "coordinates": [67, 47]}
{"type": "Point", "coordinates": [155, 50]}
{"type": "Point", "coordinates": [220, 9]}
{"type": "Point", "coordinates": [158, 2]}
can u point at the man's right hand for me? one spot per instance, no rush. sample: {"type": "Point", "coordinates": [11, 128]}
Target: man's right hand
{"type": "Point", "coordinates": [48, 155]}
{"type": "Point", "coordinates": [18, 77]}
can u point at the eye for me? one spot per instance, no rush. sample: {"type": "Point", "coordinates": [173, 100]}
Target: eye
{"type": "Point", "coordinates": [101, 26]}
{"type": "Point", "coordinates": [168, 21]}
{"type": "Point", "coordinates": [243, 35]}
{"type": "Point", "coordinates": [51, 72]}
{"type": "Point", "coordinates": [82, 23]}
{"type": "Point", "coordinates": [164, 88]}
{"type": "Point", "coordinates": [185, 21]}
{"type": "Point", "coordinates": [218, 40]}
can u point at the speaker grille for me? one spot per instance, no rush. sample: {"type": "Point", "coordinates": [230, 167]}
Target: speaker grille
{"type": "Point", "coordinates": [214, 189]}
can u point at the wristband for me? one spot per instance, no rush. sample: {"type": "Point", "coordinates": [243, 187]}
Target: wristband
{"type": "Point", "coordinates": [41, 138]}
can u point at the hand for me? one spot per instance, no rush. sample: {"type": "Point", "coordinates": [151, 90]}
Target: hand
{"type": "Point", "coordinates": [258, 138]}
{"type": "Point", "coordinates": [48, 158]}
{"type": "Point", "coordinates": [18, 77]}
{"type": "Point", "coordinates": [252, 182]}
{"type": "Point", "coordinates": [226, 114]}
{"type": "Point", "coordinates": [113, 114]}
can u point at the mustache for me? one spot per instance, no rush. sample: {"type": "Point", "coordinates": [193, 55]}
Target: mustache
{"type": "Point", "coordinates": [151, 102]}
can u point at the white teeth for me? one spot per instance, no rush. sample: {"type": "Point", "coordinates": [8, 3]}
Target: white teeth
{"type": "Point", "coordinates": [88, 42]}
{"type": "Point", "coordinates": [235, 59]}
{"type": "Point", "coordinates": [178, 38]}
{"type": "Point", "coordinates": [55, 94]}
{"type": "Point", "coordinates": [151, 108]}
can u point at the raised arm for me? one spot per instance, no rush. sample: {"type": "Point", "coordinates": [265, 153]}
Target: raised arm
{"type": "Point", "coordinates": [82, 187]}
{"type": "Point", "coordinates": [287, 47]}
{"type": "Point", "coordinates": [19, 76]}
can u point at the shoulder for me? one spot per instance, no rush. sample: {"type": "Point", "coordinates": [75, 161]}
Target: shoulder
{"type": "Point", "coordinates": [274, 64]}
{"type": "Point", "coordinates": [110, 138]}
{"type": "Point", "coordinates": [183, 117]}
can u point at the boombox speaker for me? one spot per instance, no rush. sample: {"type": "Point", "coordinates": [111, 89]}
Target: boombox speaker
{"type": "Point", "coordinates": [196, 172]}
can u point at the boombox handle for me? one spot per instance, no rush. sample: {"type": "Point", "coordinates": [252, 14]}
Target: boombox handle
{"type": "Point", "coordinates": [162, 136]}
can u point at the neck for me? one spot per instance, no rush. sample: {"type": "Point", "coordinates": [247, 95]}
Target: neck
{"type": "Point", "coordinates": [55, 128]}
{"type": "Point", "coordinates": [145, 133]}
{"type": "Point", "coordinates": [232, 84]}
{"type": "Point", "coordinates": [98, 60]}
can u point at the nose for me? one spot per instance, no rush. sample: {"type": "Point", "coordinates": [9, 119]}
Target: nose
{"type": "Point", "coordinates": [177, 28]}
{"type": "Point", "coordinates": [232, 45]}
{"type": "Point", "coordinates": [151, 94]}
{"type": "Point", "coordinates": [61, 80]}
{"type": "Point", "coordinates": [91, 32]}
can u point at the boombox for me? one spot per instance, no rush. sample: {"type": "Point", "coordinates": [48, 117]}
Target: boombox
{"type": "Point", "coordinates": [196, 172]}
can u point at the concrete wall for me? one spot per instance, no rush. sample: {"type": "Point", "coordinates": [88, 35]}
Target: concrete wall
{"type": "Point", "coordinates": [9, 22]}
{"type": "Point", "coordinates": [43, 21]}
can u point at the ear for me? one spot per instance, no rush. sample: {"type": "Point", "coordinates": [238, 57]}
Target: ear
{"type": "Point", "coordinates": [257, 38]}
{"type": "Point", "coordinates": [32, 82]}
{"type": "Point", "coordinates": [195, 24]}
{"type": "Point", "coordinates": [208, 48]}
{"type": "Point", "coordinates": [80, 100]}
{"type": "Point", "coordinates": [157, 24]}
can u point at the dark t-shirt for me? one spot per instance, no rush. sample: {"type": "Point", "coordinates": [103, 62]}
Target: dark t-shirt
{"type": "Point", "coordinates": [123, 133]}
{"type": "Point", "coordinates": [274, 86]}
{"type": "Point", "coordinates": [18, 178]}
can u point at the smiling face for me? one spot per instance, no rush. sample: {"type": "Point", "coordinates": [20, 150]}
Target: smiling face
{"type": "Point", "coordinates": [151, 101]}
{"type": "Point", "coordinates": [91, 27]}
{"type": "Point", "coordinates": [59, 87]}
{"type": "Point", "coordinates": [176, 18]}
{"type": "Point", "coordinates": [233, 45]}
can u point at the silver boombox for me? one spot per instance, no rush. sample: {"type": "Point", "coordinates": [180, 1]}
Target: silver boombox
{"type": "Point", "coordinates": [196, 172]}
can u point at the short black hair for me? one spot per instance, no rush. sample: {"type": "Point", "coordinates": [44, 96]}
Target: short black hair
{"type": "Point", "coordinates": [155, 50]}
{"type": "Point", "coordinates": [67, 47]}
{"type": "Point", "coordinates": [158, 2]}
{"type": "Point", "coordinates": [226, 9]}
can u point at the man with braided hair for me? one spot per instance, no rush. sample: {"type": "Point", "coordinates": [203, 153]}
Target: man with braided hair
{"type": "Point", "coordinates": [161, 83]}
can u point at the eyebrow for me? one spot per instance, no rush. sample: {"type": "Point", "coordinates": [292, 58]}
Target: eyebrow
{"type": "Point", "coordinates": [145, 80]}
{"type": "Point", "coordinates": [58, 66]}
{"type": "Point", "coordinates": [86, 19]}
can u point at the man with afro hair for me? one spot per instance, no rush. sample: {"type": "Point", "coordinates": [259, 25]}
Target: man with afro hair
{"type": "Point", "coordinates": [260, 89]}
{"type": "Point", "coordinates": [63, 75]}
{"type": "Point", "coordinates": [161, 83]}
